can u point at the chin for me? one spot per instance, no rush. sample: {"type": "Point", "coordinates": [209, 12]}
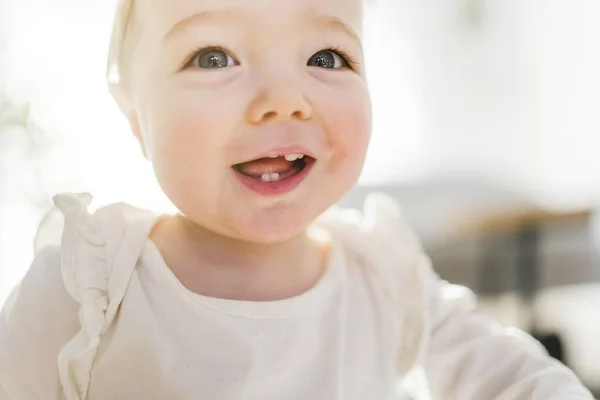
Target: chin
{"type": "Point", "coordinates": [273, 233]}
{"type": "Point", "coordinates": [272, 237]}
{"type": "Point", "coordinates": [272, 226]}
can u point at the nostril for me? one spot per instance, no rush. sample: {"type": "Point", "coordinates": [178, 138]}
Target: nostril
{"type": "Point", "coordinates": [264, 116]}
{"type": "Point", "coordinates": [298, 115]}
{"type": "Point", "coordinates": [269, 115]}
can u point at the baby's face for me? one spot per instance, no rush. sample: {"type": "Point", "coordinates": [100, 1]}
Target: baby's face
{"type": "Point", "coordinates": [228, 94]}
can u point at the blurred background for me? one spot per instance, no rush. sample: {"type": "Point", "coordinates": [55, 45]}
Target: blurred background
{"type": "Point", "coordinates": [486, 130]}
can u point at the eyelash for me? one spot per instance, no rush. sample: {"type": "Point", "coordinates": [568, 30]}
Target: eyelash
{"type": "Point", "coordinates": [350, 61]}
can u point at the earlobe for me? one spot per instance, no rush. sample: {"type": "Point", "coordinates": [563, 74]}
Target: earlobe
{"type": "Point", "coordinates": [134, 124]}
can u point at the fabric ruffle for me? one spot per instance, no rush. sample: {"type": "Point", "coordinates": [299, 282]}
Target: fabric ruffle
{"type": "Point", "coordinates": [93, 276]}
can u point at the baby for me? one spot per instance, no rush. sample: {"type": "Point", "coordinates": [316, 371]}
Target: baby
{"type": "Point", "coordinates": [255, 115]}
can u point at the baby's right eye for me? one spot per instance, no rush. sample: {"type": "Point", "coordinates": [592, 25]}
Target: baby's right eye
{"type": "Point", "coordinates": [212, 58]}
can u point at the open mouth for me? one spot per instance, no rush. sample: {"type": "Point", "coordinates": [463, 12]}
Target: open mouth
{"type": "Point", "coordinates": [274, 176]}
{"type": "Point", "coordinates": [275, 169]}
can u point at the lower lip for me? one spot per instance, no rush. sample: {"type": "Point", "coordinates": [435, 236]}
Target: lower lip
{"type": "Point", "coordinates": [277, 188]}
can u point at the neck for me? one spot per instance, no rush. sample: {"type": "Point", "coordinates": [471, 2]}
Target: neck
{"type": "Point", "coordinates": [217, 266]}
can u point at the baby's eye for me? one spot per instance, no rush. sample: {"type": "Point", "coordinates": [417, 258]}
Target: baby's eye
{"type": "Point", "coordinates": [212, 58]}
{"type": "Point", "coordinates": [328, 59]}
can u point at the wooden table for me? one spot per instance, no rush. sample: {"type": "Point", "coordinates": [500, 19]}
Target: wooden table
{"type": "Point", "coordinates": [526, 226]}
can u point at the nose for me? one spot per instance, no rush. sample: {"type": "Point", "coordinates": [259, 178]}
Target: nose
{"type": "Point", "coordinates": [279, 101]}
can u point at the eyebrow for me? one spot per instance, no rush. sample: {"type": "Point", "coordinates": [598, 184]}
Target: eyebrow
{"type": "Point", "coordinates": [326, 22]}
{"type": "Point", "coordinates": [209, 16]}
{"type": "Point", "coordinates": [329, 22]}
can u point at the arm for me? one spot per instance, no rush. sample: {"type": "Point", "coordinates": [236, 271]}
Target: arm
{"type": "Point", "coordinates": [471, 357]}
{"type": "Point", "coordinates": [37, 320]}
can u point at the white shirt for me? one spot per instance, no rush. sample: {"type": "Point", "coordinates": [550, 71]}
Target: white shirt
{"type": "Point", "coordinates": [101, 316]}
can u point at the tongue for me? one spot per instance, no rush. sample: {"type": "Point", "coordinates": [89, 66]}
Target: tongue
{"type": "Point", "coordinates": [263, 166]}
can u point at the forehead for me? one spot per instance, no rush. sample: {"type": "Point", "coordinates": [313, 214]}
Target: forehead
{"type": "Point", "coordinates": [165, 14]}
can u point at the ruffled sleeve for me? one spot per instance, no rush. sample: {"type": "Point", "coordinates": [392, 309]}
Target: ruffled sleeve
{"type": "Point", "coordinates": [97, 255]}
{"type": "Point", "coordinates": [36, 321]}
{"type": "Point", "coordinates": [96, 272]}
{"type": "Point", "coordinates": [84, 273]}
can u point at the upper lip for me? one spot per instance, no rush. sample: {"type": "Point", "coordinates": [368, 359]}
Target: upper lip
{"type": "Point", "coordinates": [278, 151]}
{"type": "Point", "coordinates": [282, 151]}
{"type": "Point", "coordinates": [275, 140]}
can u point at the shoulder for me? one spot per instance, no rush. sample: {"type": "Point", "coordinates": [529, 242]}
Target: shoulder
{"type": "Point", "coordinates": [396, 265]}
{"type": "Point", "coordinates": [40, 294]}
{"type": "Point", "coordinates": [379, 234]}
{"type": "Point", "coordinates": [72, 290]}
{"type": "Point", "coordinates": [38, 319]}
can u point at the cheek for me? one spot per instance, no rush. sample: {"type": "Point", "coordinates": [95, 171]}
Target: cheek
{"type": "Point", "coordinates": [348, 123]}
{"type": "Point", "coordinates": [186, 131]}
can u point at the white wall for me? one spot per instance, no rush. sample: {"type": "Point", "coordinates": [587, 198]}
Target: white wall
{"type": "Point", "coordinates": [513, 97]}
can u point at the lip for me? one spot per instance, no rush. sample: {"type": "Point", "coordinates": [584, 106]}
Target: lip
{"type": "Point", "coordinates": [279, 152]}
{"type": "Point", "coordinates": [278, 188]}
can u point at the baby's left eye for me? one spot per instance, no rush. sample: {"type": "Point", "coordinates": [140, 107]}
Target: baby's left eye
{"type": "Point", "coordinates": [328, 59]}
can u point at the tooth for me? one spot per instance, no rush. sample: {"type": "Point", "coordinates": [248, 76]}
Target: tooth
{"type": "Point", "coordinates": [293, 157]}
{"type": "Point", "coordinates": [301, 156]}
{"type": "Point", "coordinates": [266, 177]}
{"type": "Point", "coordinates": [274, 176]}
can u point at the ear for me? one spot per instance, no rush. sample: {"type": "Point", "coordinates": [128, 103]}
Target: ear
{"type": "Point", "coordinates": [134, 124]}
{"type": "Point", "coordinates": [125, 103]}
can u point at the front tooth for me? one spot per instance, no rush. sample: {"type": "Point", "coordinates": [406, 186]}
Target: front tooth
{"type": "Point", "coordinates": [301, 156]}
{"type": "Point", "coordinates": [274, 176]}
{"type": "Point", "coordinates": [293, 157]}
{"type": "Point", "coordinates": [266, 177]}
